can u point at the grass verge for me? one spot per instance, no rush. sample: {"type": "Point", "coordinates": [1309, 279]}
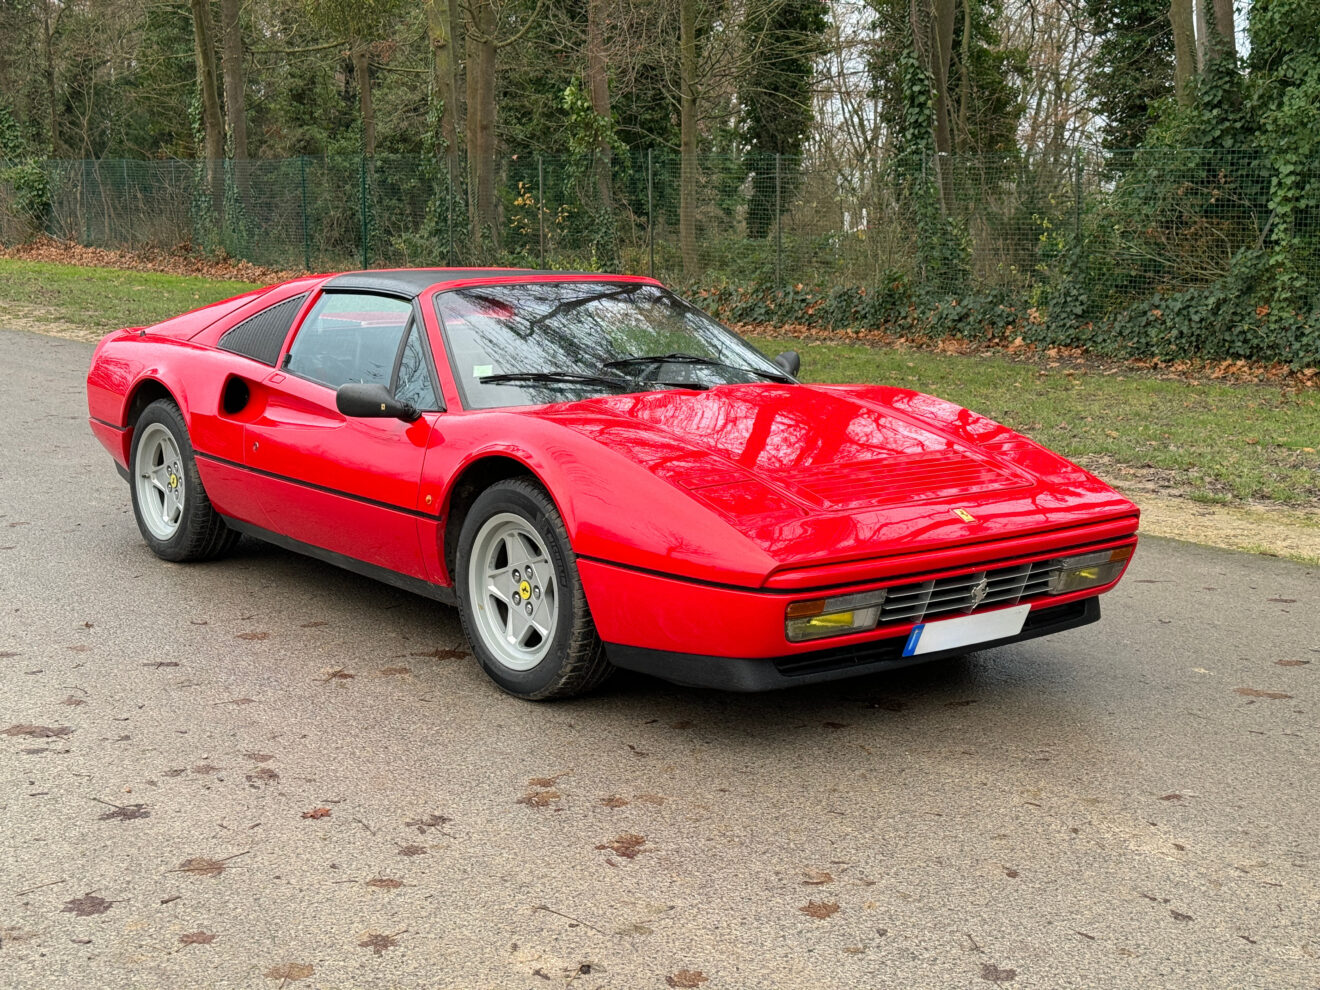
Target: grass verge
{"type": "Point", "coordinates": [89, 302]}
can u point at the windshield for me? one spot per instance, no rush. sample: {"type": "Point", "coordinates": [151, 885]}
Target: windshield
{"type": "Point", "coordinates": [537, 342]}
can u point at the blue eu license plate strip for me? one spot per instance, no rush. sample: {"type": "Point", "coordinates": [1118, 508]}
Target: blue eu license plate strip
{"type": "Point", "coordinates": [966, 630]}
{"type": "Point", "coordinates": [914, 637]}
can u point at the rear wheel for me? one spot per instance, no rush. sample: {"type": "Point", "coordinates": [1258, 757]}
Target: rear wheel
{"type": "Point", "coordinates": [173, 513]}
{"type": "Point", "coordinates": [520, 596]}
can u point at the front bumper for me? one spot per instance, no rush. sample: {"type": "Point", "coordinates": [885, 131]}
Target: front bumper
{"type": "Point", "coordinates": [749, 674]}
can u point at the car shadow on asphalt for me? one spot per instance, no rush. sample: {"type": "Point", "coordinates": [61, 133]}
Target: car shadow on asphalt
{"type": "Point", "coordinates": [1006, 682]}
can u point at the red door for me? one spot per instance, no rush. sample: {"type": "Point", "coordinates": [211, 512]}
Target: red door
{"type": "Point", "coordinates": [344, 484]}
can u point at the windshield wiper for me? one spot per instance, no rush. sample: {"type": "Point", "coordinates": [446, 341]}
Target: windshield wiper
{"type": "Point", "coordinates": [555, 378]}
{"type": "Point", "coordinates": [680, 358]}
{"type": "Point", "coordinates": [567, 305]}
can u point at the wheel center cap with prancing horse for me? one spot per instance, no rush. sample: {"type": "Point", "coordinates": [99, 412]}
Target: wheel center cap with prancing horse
{"type": "Point", "coordinates": [525, 590]}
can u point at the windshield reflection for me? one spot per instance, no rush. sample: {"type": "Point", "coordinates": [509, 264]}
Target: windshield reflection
{"type": "Point", "coordinates": [584, 328]}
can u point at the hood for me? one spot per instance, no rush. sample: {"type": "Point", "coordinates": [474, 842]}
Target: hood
{"type": "Point", "coordinates": [816, 474]}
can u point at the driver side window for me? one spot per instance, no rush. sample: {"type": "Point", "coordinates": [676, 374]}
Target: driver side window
{"type": "Point", "coordinates": [349, 337]}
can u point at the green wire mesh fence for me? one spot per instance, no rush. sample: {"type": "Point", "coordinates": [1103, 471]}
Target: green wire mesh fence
{"type": "Point", "coordinates": [1081, 232]}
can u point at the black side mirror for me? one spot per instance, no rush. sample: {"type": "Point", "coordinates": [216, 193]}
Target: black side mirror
{"type": "Point", "coordinates": [790, 361]}
{"type": "Point", "coordinates": [372, 402]}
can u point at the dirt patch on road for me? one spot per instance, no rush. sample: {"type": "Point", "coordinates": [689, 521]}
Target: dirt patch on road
{"type": "Point", "coordinates": [1270, 530]}
{"type": "Point", "coordinates": [47, 320]}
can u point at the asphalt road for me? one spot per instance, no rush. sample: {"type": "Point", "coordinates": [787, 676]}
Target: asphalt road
{"type": "Point", "coordinates": [1119, 806]}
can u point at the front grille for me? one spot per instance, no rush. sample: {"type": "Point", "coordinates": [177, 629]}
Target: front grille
{"type": "Point", "coordinates": [966, 593]}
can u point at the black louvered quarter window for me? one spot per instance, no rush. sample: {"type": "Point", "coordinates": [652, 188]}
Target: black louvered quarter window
{"type": "Point", "coordinates": [260, 337]}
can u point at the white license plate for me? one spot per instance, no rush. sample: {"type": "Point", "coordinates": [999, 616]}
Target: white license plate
{"type": "Point", "coordinates": [949, 634]}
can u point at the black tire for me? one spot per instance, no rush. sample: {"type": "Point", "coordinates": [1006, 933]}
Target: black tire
{"type": "Point", "coordinates": [575, 661]}
{"type": "Point", "coordinates": [201, 533]}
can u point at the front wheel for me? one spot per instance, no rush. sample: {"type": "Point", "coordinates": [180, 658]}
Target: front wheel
{"type": "Point", "coordinates": [520, 596]}
{"type": "Point", "coordinates": [173, 513]}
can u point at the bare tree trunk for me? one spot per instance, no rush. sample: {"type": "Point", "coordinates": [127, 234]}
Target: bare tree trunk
{"type": "Point", "coordinates": [481, 124]}
{"type": "Point", "coordinates": [1184, 48]}
{"type": "Point", "coordinates": [50, 82]}
{"type": "Point", "coordinates": [235, 112]}
{"type": "Point", "coordinates": [212, 125]}
{"type": "Point", "coordinates": [941, 56]}
{"type": "Point", "coordinates": [598, 83]}
{"type": "Point", "coordinates": [439, 29]}
{"type": "Point", "coordinates": [932, 35]}
{"type": "Point", "coordinates": [964, 88]}
{"type": "Point", "coordinates": [362, 74]}
{"type": "Point", "coordinates": [687, 114]}
{"type": "Point", "coordinates": [1225, 28]}
{"type": "Point", "coordinates": [1202, 33]}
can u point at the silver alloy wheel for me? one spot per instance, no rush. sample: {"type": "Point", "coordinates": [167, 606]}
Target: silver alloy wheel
{"type": "Point", "coordinates": [158, 474]}
{"type": "Point", "coordinates": [511, 585]}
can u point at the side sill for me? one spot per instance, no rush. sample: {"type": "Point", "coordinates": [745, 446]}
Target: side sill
{"type": "Point", "coordinates": [404, 582]}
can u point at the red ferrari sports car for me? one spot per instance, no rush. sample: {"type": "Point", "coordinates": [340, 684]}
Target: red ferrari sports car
{"type": "Point", "coordinates": [599, 475]}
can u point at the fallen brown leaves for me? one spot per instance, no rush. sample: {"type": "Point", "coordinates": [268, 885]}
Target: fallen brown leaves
{"type": "Point", "coordinates": [197, 938]}
{"type": "Point", "coordinates": [614, 801]}
{"type": "Point", "coordinates": [412, 850]}
{"type": "Point", "coordinates": [126, 813]}
{"type": "Point", "coordinates": [290, 972]}
{"type": "Point", "coordinates": [204, 866]}
{"type": "Point", "coordinates": [628, 845]}
{"type": "Point", "coordinates": [687, 979]}
{"type": "Point", "coordinates": [545, 781]}
{"type": "Point", "coordinates": [442, 654]}
{"type": "Point", "coordinates": [1257, 693]}
{"type": "Point", "coordinates": [428, 821]}
{"type": "Point", "coordinates": [820, 909]}
{"type": "Point", "coordinates": [87, 905]}
{"type": "Point", "coordinates": [317, 813]}
{"type": "Point", "coordinates": [253, 636]}
{"type": "Point", "coordinates": [378, 942]}
{"type": "Point", "coordinates": [1292, 663]}
{"type": "Point", "coordinates": [816, 878]}
{"type": "Point", "coordinates": [37, 731]}
{"type": "Point", "coordinates": [180, 260]}
{"type": "Point", "coordinates": [384, 883]}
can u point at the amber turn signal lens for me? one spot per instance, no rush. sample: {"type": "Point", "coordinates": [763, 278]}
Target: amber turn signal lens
{"type": "Point", "coordinates": [821, 617]}
{"type": "Point", "coordinates": [802, 610]}
{"type": "Point", "coordinates": [1089, 570]}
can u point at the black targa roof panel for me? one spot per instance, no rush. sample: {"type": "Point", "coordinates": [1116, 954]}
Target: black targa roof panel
{"type": "Point", "coordinates": [412, 282]}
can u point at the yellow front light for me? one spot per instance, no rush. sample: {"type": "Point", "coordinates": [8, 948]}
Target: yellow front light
{"type": "Point", "coordinates": [836, 616]}
{"type": "Point", "coordinates": [836, 621]}
{"type": "Point", "coordinates": [1089, 570]}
